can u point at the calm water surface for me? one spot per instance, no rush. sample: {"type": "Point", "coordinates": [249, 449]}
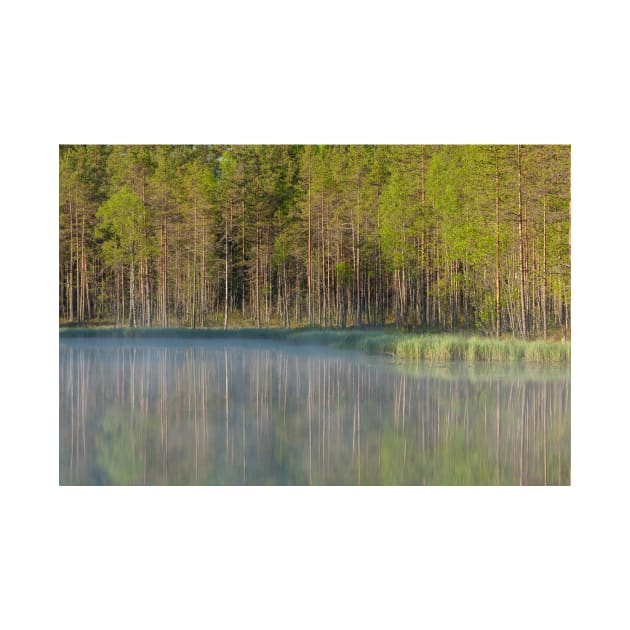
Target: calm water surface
{"type": "Point", "coordinates": [257, 412]}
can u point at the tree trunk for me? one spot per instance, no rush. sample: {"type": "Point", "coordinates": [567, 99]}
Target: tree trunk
{"type": "Point", "coordinates": [257, 280]}
{"type": "Point", "coordinates": [163, 264]}
{"type": "Point", "coordinates": [521, 240]}
{"type": "Point", "coordinates": [194, 268]}
{"type": "Point", "coordinates": [544, 282]}
{"type": "Point", "coordinates": [243, 283]}
{"type": "Point", "coordinates": [132, 296]}
{"type": "Point", "coordinates": [497, 276]}
{"type": "Point", "coordinates": [203, 274]}
{"type": "Point", "coordinates": [309, 264]}
{"type": "Point", "coordinates": [358, 265]}
{"type": "Point", "coordinates": [225, 319]}
{"type": "Point", "coordinates": [83, 277]}
{"type": "Point", "coordinates": [71, 283]}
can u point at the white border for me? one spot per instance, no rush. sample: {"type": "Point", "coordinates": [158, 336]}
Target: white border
{"type": "Point", "coordinates": [449, 72]}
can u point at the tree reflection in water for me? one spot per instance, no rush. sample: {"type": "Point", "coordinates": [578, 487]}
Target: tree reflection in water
{"type": "Point", "coordinates": [262, 413]}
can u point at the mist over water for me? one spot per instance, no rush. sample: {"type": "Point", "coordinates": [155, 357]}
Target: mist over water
{"type": "Point", "coordinates": [237, 412]}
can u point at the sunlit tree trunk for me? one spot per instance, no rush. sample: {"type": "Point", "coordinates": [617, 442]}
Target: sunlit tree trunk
{"type": "Point", "coordinates": [309, 263]}
{"type": "Point", "coordinates": [225, 318]}
{"type": "Point", "coordinates": [132, 295]}
{"type": "Point", "coordinates": [358, 254]}
{"type": "Point", "coordinates": [84, 275]}
{"type": "Point", "coordinates": [521, 241]}
{"type": "Point", "coordinates": [497, 264]}
{"type": "Point", "coordinates": [257, 278]}
{"type": "Point", "coordinates": [203, 273]}
{"type": "Point", "coordinates": [163, 263]}
{"type": "Point", "coordinates": [544, 278]}
{"type": "Point", "coordinates": [194, 267]}
{"type": "Point", "coordinates": [243, 242]}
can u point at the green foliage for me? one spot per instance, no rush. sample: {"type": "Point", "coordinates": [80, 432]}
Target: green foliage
{"type": "Point", "coordinates": [414, 234]}
{"type": "Point", "coordinates": [460, 181]}
{"type": "Point", "coordinates": [283, 249]}
{"type": "Point", "coordinates": [123, 224]}
{"type": "Point", "coordinates": [397, 225]}
{"type": "Point", "coordinates": [343, 272]}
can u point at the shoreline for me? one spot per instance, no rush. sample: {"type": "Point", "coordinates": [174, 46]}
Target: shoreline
{"type": "Point", "coordinates": [401, 345]}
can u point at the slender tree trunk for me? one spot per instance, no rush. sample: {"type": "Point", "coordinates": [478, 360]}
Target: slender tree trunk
{"type": "Point", "coordinates": [328, 275]}
{"type": "Point", "coordinates": [298, 298]}
{"type": "Point", "coordinates": [358, 266]}
{"type": "Point", "coordinates": [521, 239]}
{"type": "Point", "coordinates": [178, 255]}
{"type": "Point", "coordinates": [309, 271]}
{"type": "Point", "coordinates": [148, 292]}
{"type": "Point", "coordinates": [83, 268]}
{"type": "Point", "coordinates": [257, 281]}
{"type": "Point", "coordinates": [141, 297]}
{"type": "Point", "coordinates": [132, 296]}
{"type": "Point", "coordinates": [117, 285]}
{"type": "Point", "coordinates": [380, 312]}
{"type": "Point", "coordinates": [194, 268]}
{"type": "Point", "coordinates": [203, 273]}
{"type": "Point", "coordinates": [544, 282]}
{"type": "Point", "coordinates": [164, 264]}
{"type": "Point", "coordinates": [322, 274]}
{"type": "Point", "coordinates": [243, 283]}
{"type": "Point", "coordinates": [286, 295]}
{"type": "Point", "coordinates": [497, 276]}
{"type": "Point", "coordinates": [71, 268]}
{"type": "Point", "coordinates": [77, 286]}
{"type": "Point", "coordinates": [225, 319]}
{"type": "Point", "coordinates": [70, 282]}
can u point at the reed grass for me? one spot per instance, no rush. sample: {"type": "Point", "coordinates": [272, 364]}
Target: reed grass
{"type": "Point", "coordinates": [436, 347]}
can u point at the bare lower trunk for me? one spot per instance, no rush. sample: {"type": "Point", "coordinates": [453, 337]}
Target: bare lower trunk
{"type": "Point", "coordinates": [225, 319]}
{"type": "Point", "coordinates": [521, 238]}
{"type": "Point", "coordinates": [132, 296]}
{"type": "Point", "coordinates": [497, 278]}
{"type": "Point", "coordinates": [309, 261]}
{"type": "Point", "coordinates": [544, 283]}
{"type": "Point", "coordinates": [194, 270]}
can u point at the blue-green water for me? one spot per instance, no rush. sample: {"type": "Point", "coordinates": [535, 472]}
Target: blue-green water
{"type": "Point", "coordinates": [241, 412]}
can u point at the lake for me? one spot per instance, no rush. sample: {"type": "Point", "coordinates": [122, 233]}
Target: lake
{"type": "Point", "coordinates": [257, 412]}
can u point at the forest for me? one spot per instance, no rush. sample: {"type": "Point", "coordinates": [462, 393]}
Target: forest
{"type": "Point", "coordinates": [421, 237]}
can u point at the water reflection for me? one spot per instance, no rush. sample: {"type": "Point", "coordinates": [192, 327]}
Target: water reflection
{"type": "Point", "coordinates": [141, 412]}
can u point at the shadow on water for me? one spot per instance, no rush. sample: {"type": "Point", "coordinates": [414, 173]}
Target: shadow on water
{"type": "Point", "coordinates": [260, 412]}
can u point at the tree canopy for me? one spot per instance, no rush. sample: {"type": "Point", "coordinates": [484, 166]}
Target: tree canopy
{"type": "Point", "coordinates": [426, 237]}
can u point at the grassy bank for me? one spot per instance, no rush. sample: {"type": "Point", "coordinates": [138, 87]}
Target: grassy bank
{"type": "Point", "coordinates": [418, 347]}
